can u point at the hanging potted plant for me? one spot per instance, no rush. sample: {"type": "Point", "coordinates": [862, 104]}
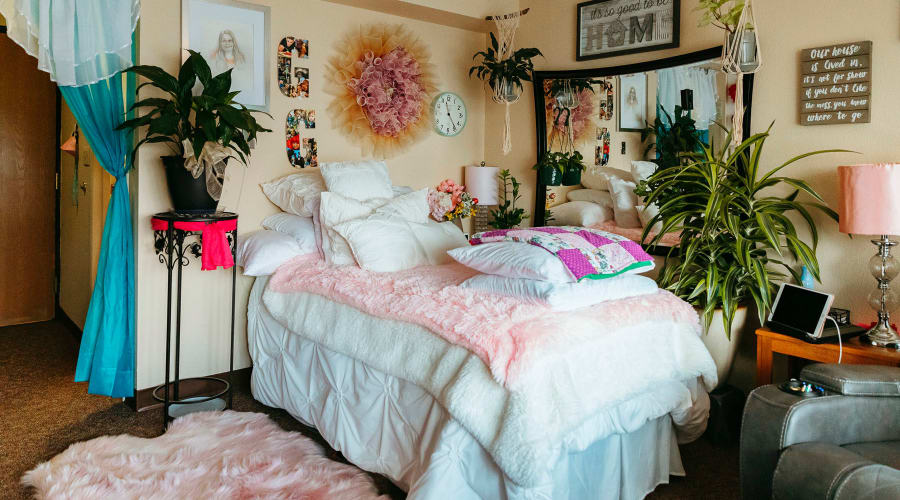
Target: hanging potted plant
{"type": "Point", "coordinates": [727, 15]}
{"type": "Point", "coordinates": [550, 168]}
{"type": "Point", "coordinates": [505, 76]}
{"type": "Point", "coordinates": [203, 131]}
{"type": "Point", "coordinates": [734, 238]}
{"type": "Point", "coordinates": [573, 166]}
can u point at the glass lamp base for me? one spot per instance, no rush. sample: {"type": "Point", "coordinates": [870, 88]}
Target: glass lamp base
{"type": "Point", "coordinates": [882, 335]}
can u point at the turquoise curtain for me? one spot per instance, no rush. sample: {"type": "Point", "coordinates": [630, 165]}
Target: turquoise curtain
{"type": "Point", "coordinates": [106, 356]}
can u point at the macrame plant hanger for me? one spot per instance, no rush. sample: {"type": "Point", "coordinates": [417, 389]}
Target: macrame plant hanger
{"type": "Point", "coordinates": [505, 92]}
{"type": "Point", "coordinates": [737, 59]}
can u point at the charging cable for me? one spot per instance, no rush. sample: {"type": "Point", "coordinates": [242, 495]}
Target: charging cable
{"type": "Point", "coordinates": [840, 344]}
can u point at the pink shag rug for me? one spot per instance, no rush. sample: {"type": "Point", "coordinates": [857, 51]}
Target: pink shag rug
{"type": "Point", "coordinates": [208, 455]}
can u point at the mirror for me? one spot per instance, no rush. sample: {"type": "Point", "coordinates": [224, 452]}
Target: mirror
{"type": "Point", "coordinates": [601, 113]}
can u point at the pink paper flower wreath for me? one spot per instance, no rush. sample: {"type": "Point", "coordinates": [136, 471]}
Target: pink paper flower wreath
{"type": "Point", "coordinates": [388, 90]}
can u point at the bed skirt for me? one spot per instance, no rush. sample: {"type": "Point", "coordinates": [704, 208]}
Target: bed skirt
{"type": "Point", "coordinates": [390, 426]}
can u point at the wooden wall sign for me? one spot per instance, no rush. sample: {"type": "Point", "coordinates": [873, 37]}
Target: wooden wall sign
{"type": "Point", "coordinates": [836, 84]}
{"type": "Point", "coordinates": [615, 27]}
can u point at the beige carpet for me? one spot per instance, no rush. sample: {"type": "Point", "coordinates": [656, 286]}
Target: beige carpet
{"type": "Point", "coordinates": [42, 412]}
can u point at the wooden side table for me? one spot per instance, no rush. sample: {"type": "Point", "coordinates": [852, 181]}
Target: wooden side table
{"type": "Point", "coordinates": [855, 352]}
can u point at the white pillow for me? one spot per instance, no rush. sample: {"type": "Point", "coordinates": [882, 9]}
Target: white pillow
{"type": "Point", "coordinates": [645, 213]}
{"type": "Point", "coordinates": [624, 201]}
{"type": "Point", "coordinates": [579, 213]}
{"type": "Point", "coordinates": [296, 193]}
{"type": "Point", "coordinates": [642, 170]}
{"type": "Point", "coordinates": [360, 180]}
{"type": "Point", "coordinates": [261, 252]}
{"type": "Point", "coordinates": [602, 198]}
{"type": "Point", "coordinates": [384, 243]}
{"type": "Point", "coordinates": [401, 190]}
{"type": "Point", "coordinates": [336, 209]}
{"type": "Point", "coordinates": [564, 296]}
{"type": "Point", "coordinates": [513, 260]}
{"type": "Point", "coordinates": [599, 178]}
{"type": "Point", "coordinates": [300, 228]}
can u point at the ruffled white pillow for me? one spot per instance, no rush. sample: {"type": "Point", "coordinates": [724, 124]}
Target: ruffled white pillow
{"type": "Point", "coordinates": [296, 193]}
{"type": "Point", "coordinates": [359, 180]}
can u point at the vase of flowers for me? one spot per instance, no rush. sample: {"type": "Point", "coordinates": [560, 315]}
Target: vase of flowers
{"type": "Point", "coordinates": [449, 201]}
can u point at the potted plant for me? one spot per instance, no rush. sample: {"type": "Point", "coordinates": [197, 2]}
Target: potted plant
{"type": "Point", "coordinates": [727, 17]}
{"type": "Point", "coordinates": [734, 237]}
{"type": "Point", "coordinates": [504, 76]}
{"type": "Point", "coordinates": [203, 130]}
{"type": "Point", "coordinates": [673, 139]}
{"type": "Point", "coordinates": [566, 91]}
{"type": "Point", "coordinates": [557, 168]}
{"type": "Point", "coordinates": [507, 216]}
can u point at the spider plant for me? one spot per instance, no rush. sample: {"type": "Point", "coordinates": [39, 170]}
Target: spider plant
{"type": "Point", "coordinates": [504, 74]}
{"type": "Point", "coordinates": [735, 239]}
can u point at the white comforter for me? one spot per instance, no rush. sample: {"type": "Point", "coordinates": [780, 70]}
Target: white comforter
{"type": "Point", "coordinates": [649, 368]}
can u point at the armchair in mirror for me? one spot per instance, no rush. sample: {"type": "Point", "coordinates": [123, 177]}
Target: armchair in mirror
{"type": "Point", "coordinates": [625, 122]}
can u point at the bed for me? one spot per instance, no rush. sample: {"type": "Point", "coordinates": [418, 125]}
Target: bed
{"type": "Point", "coordinates": [422, 436]}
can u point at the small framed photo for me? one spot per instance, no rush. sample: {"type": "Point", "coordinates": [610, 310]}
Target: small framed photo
{"type": "Point", "coordinates": [231, 35]}
{"type": "Point", "coordinates": [633, 102]}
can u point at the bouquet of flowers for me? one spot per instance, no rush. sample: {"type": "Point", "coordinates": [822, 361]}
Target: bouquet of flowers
{"type": "Point", "coordinates": [449, 201]}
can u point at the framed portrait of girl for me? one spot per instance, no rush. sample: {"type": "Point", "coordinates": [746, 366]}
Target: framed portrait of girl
{"type": "Point", "coordinates": [231, 35]}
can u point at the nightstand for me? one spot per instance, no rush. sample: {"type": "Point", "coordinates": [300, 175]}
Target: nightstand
{"type": "Point", "coordinates": [855, 352]}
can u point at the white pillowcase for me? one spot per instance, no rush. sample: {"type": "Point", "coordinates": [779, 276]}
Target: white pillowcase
{"type": "Point", "coordinates": [624, 201]}
{"type": "Point", "coordinates": [401, 190]}
{"type": "Point", "coordinates": [564, 296]}
{"type": "Point", "coordinates": [645, 213]}
{"type": "Point", "coordinates": [384, 243]}
{"type": "Point", "coordinates": [296, 193]}
{"type": "Point", "coordinates": [300, 228]}
{"type": "Point", "coordinates": [336, 209]}
{"type": "Point", "coordinates": [360, 180]}
{"type": "Point", "coordinates": [261, 252]}
{"type": "Point", "coordinates": [642, 170]}
{"type": "Point", "coordinates": [579, 213]}
{"type": "Point", "coordinates": [599, 178]}
{"type": "Point", "coordinates": [513, 260]}
{"type": "Point", "coordinates": [602, 198]}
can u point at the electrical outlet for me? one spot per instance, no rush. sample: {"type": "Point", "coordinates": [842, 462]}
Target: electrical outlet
{"type": "Point", "coordinates": [623, 147]}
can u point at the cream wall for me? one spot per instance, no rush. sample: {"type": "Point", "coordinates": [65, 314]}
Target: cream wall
{"type": "Point", "coordinates": [207, 294]}
{"type": "Point", "coordinates": [784, 29]}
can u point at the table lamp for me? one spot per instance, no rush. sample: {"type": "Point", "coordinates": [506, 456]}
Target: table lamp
{"type": "Point", "coordinates": [482, 183]}
{"type": "Point", "coordinates": [870, 205]}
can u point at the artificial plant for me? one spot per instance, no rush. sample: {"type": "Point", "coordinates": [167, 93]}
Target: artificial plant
{"type": "Point", "coordinates": [721, 15]}
{"type": "Point", "coordinates": [511, 71]}
{"type": "Point", "coordinates": [212, 116]}
{"type": "Point", "coordinates": [507, 216]}
{"type": "Point", "coordinates": [734, 237]}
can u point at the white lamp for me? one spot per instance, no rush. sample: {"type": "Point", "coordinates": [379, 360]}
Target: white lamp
{"type": "Point", "coordinates": [481, 182]}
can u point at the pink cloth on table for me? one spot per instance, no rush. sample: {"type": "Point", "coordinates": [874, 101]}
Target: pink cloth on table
{"type": "Point", "coordinates": [507, 333]}
{"type": "Point", "coordinates": [216, 251]}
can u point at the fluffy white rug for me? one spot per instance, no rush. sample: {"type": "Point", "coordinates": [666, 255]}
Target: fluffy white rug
{"type": "Point", "coordinates": [209, 455]}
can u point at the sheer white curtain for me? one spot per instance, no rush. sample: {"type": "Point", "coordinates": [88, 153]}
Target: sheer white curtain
{"type": "Point", "coordinates": [79, 42]}
{"type": "Point", "coordinates": [702, 81]}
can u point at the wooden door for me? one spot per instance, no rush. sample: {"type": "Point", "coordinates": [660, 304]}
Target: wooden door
{"type": "Point", "coordinates": [27, 188]}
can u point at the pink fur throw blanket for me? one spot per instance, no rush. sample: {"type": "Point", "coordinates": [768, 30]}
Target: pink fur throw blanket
{"type": "Point", "coordinates": [509, 335]}
{"type": "Point", "coordinates": [209, 455]}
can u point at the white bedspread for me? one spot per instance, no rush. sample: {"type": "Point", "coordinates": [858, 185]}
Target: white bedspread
{"type": "Point", "coordinates": [651, 368]}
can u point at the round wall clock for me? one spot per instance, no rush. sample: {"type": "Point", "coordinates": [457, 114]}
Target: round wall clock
{"type": "Point", "coordinates": [449, 114]}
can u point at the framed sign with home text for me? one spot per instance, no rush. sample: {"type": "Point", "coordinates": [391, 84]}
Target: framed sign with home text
{"type": "Point", "coordinates": [836, 84]}
{"type": "Point", "coordinates": [609, 28]}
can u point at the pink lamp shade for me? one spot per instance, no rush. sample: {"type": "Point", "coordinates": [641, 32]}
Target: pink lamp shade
{"type": "Point", "coordinates": [482, 183]}
{"type": "Point", "coordinates": [870, 199]}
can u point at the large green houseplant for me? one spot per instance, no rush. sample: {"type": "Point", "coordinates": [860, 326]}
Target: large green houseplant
{"type": "Point", "coordinates": [673, 140]}
{"type": "Point", "coordinates": [211, 124]}
{"type": "Point", "coordinates": [735, 237]}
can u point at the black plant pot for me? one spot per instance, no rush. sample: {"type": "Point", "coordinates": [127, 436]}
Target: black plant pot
{"type": "Point", "coordinates": [189, 195]}
{"type": "Point", "coordinates": [571, 177]}
{"type": "Point", "coordinates": [550, 176]}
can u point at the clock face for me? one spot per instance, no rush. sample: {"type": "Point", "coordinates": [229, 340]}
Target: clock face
{"type": "Point", "coordinates": [449, 114]}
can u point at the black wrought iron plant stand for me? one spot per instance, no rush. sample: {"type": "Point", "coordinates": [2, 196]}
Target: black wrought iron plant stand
{"type": "Point", "coordinates": [172, 251]}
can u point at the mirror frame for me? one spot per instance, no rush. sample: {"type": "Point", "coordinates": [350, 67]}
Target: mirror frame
{"type": "Point", "coordinates": [540, 194]}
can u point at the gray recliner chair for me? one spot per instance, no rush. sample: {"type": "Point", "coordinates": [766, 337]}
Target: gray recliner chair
{"type": "Point", "coordinates": [844, 445]}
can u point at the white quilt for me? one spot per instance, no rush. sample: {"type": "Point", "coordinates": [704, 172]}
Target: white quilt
{"type": "Point", "coordinates": [613, 387]}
